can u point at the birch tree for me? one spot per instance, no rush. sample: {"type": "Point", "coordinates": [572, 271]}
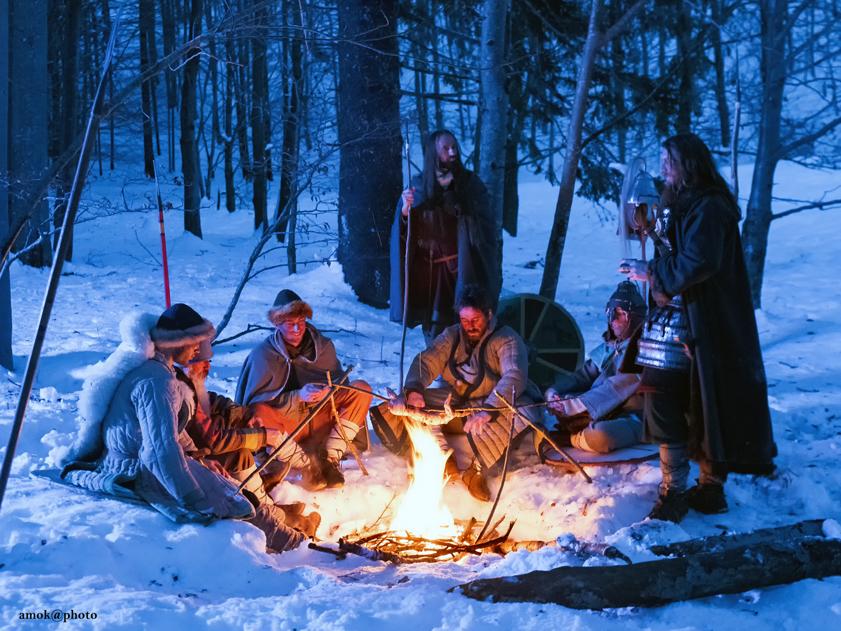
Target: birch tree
{"type": "Point", "coordinates": [597, 37]}
{"type": "Point", "coordinates": [784, 60]}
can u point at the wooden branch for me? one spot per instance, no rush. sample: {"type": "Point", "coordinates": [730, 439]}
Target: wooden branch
{"type": "Point", "coordinates": [782, 152]}
{"type": "Point", "coordinates": [250, 329]}
{"type": "Point", "coordinates": [652, 583]}
{"type": "Point", "coordinates": [822, 205]}
{"type": "Point", "coordinates": [449, 98]}
{"type": "Point", "coordinates": [623, 21]}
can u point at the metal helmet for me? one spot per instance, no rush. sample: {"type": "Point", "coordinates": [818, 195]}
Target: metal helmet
{"type": "Point", "coordinates": [628, 298]}
{"type": "Point", "coordinates": [638, 201]}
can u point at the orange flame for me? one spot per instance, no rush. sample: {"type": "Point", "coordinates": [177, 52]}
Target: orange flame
{"type": "Point", "coordinates": [422, 512]}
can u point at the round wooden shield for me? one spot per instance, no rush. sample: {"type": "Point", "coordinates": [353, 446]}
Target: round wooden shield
{"type": "Point", "coordinates": [550, 332]}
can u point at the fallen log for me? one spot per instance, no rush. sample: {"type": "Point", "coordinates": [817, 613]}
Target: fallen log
{"type": "Point", "coordinates": [729, 570]}
{"type": "Point", "coordinates": [718, 543]}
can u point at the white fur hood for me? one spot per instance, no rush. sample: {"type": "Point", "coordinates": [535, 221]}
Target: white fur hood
{"type": "Point", "coordinates": [102, 379]}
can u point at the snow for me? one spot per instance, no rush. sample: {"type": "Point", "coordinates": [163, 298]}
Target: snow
{"type": "Point", "coordinates": [66, 550]}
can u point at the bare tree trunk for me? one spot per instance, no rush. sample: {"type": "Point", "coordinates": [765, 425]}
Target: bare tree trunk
{"type": "Point", "coordinates": [259, 106]}
{"type": "Point", "coordinates": [189, 153]}
{"type": "Point", "coordinates": [146, 11]}
{"type": "Point", "coordinates": [28, 122]}
{"type": "Point", "coordinates": [494, 109]}
{"type": "Point", "coordinates": [215, 127]}
{"type": "Point", "coordinates": [718, 59]}
{"type": "Point", "coordinates": [69, 111]}
{"type": "Point", "coordinates": [291, 139]}
{"type": "Point", "coordinates": [168, 27]}
{"type": "Point", "coordinates": [241, 93]}
{"type": "Point", "coordinates": [717, 571]}
{"type": "Point", "coordinates": [686, 96]}
{"type": "Point", "coordinates": [618, 62]}
{"type": "Point", "coordinates": [369, 134]}
{"type": "Point", "coordinates": [563, 206]}
{"type": "Point", "coordinates": [6, 357]}
{"type": "Point", "coordinates": [596, 39]}
{"type": "Point", "coordinates": [773, 72]}
{"type": "Point", "coordinates": [230, 191]}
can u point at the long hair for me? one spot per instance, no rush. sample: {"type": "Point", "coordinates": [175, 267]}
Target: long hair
{"type": "Point", "coordinates": [696, 165]}
{"type": "Point", "coordinates": [430, 162]}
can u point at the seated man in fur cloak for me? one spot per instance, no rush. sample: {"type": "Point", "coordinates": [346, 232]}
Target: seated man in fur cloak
{"type": "Point", "coordinates": [226, 434]}
{"type": "Point", "coordinates": [285, 376]}
{"type": "Point", "coordinates": [473, 358]}
{"type": "Point", "coordinates": [132, 441]}
{"type": "Point", "coordinates": [597, 406]}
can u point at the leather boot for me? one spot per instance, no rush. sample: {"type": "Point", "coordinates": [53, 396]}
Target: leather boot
{"type": "Point", "coordinates": [307, 524]}
{"type": "Point", "coordinates": [670, 507]}
{"type": "Point", "coordinates": [274, 474]}
{"type": "Point", "coordinates": [476, 484]}
{"type": "Point", "coordinates": [279, 536]}
{"type": "Point", "coordinates": [333, 475]}
{"type": "Point", "coordinates": [451, 468]}
{"type": "Point", "coordinates": [707, 498]}
{"type": "Point", "coordinates": [295, 508]}
{"type": "Point", "coordinates": [312, 477]}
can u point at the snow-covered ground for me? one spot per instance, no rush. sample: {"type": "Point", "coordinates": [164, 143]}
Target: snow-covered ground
{"type": "Point", "coordinates": [65, 550]}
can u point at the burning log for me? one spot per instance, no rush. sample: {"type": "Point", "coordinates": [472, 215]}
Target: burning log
{"type": "Point", "coordinates": [400, 548]}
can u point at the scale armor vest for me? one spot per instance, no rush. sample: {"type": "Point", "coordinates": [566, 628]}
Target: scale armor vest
{"type": "Point", "coordinates": [665, 334]}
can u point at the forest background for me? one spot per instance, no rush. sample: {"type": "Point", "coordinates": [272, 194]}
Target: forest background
{"type": "Point", "coordinates": [300, 112]}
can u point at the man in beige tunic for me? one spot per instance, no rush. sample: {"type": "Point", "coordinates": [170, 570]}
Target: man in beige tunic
{"type": "Point", "coordinates": [473, 358]}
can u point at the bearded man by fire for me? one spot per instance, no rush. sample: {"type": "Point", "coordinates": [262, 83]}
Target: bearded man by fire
{"type": "Point", "coordinates": [474, 359]}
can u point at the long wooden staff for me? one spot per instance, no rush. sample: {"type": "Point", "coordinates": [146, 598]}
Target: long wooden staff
{"type": "Point", "coordinates": [545, 437]}
{"type": "Point", "coordinates": [163, 236]}
{"type": "Point", "coordinates": [406, 259]}
{"type": "Point", "coordinates": [58, 264]}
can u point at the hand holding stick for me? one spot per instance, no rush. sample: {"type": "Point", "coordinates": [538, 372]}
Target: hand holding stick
{"type": "Point", "coordinates": [315, 410]}
{"type": "Point", "coordinates": [545, 437]}
{"type": "Point", "coordinates": [351, 447]}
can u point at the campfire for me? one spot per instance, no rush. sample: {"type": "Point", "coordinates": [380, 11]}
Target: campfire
{"type": "Point", "coordinates": [422, 528]}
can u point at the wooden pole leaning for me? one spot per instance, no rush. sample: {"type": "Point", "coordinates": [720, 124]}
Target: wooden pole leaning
{"type": "Point", "coordinates": [406, 261]}
{"type": "Point", "coordinates": [58, 263]}
{"type": "Point", "coordinates": [502, 480]}
{"type": "Point", "coordinates": [294, 433]}
{"type": "Point", "coordinates": [545, 437]}
{"type": "Point", "coordinates": [351, 447]}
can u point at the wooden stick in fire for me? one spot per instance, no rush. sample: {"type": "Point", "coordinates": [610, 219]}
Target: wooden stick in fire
{"type": "Point", "coordinates": [351, 447]}
{"type": "Point", "coordinates": [545, 437]}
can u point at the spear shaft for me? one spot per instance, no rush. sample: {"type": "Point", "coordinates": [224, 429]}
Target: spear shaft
{"type": "Point", "coordinates": [58, 264]}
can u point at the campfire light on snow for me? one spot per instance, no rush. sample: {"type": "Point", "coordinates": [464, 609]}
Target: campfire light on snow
{"type": "Point", "coordinates": [422, 512]}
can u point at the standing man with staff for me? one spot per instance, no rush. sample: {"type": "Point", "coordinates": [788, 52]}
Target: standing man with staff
{"type": "Point", "coordinates": [452, 239]}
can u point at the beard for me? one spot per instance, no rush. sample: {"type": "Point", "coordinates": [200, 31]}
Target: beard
{"type": "Point", "coordinates": [200, 384]}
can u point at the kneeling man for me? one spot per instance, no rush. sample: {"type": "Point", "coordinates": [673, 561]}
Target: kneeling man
{"type": "Point", "coordinates": [597, 407]}
{"type": "Point", "coordinates": [473, 358]}
{"type": "Point", "coordinates": [284, 377]}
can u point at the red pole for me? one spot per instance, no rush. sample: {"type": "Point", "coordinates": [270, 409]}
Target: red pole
{"type": "Point", "coordinates": [163, 237]}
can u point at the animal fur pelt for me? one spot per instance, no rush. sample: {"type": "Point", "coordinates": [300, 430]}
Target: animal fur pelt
{"type": "Point", "coordinates": [102, 379]}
